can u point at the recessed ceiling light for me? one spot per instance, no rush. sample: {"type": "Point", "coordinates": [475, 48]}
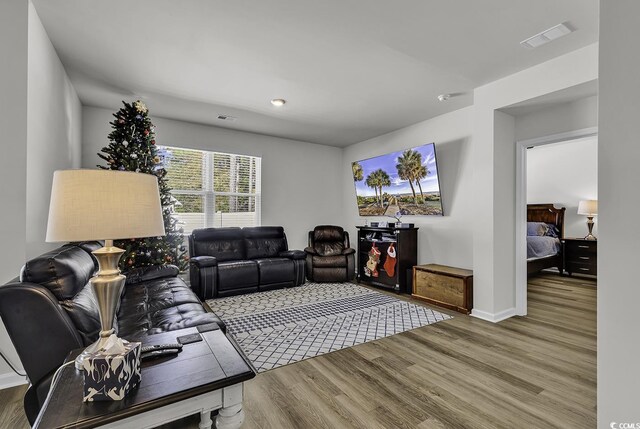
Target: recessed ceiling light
{"type": "Point", "coordinates": [547, 35]}
{"type": "Point", "coordinates": [444, 97]}
{"type": "Point", "coordinates": [278, 102]}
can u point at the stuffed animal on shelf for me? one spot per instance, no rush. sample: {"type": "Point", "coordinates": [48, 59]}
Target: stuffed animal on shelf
{"type": "Point", "coordinates": [371, 267]}
{"type": "Point", "coordinates": [390, 262]}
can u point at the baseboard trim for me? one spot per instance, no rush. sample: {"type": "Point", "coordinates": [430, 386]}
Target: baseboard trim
{"type": "Point", "coordinates": [11, 379]}
{"type": "Point", "coordinates": [494, 317]}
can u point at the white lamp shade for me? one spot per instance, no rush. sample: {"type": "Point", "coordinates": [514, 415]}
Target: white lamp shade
{"type": "Point", "coordinates": [588, 207]}
{"type": "Point", "coordinates": [104, 205]}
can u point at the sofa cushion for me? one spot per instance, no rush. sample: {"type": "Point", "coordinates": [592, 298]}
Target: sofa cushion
{"type": "Point", "coordinates": [225, 244]}
{"type": "Point", "coordinates": [160, 305]}
{"type": "Point", "coordinates": [143, 274]}
{"type": "Point", "coordinates": [83, 311]}
{"type": "Point", "coordinates": [264, 241]}
{"type": "Point", "coordinates": [276, 270]}
{"type": "Point", "coordinates": [329, 261]}
{"type": "Point", "coordinates": [90, 246]}
{"type": "Point", "coordinates": [237, 274]}
{"type": "Point", "coordinates": [154, 295]}
{"type": "Point", "coordinates": [64, 271]}
{"type": "Point", "coordinates": [328, 248]}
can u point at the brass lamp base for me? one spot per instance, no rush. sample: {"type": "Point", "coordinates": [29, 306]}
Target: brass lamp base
{"type": "Point", "coordinates": [107, 287]}
{"type": "Point", "coordinates": [590, 223]}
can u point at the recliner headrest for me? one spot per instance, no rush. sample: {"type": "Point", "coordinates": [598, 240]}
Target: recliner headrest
{"type": "Point", "coordinates": [263, 232]}
{"type": "Point", "coordinates": [328, 233]}
{"type": "Point", "coordinates": [64, 271]}
{"type": "Point", "coordinates": [216, 234]}
{"type": "Point", "coordinates": [225, 244]}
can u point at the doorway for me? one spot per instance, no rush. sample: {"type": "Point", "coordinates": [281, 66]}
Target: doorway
{"type": "Point", "coordinates": [522, 148]}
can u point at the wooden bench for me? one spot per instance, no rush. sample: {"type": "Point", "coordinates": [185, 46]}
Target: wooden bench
{"type": "Point", "coordinates": [448, 287]}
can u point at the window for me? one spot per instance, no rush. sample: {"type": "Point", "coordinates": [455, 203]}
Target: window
{"type": "Point", "coordinates": [213, 189]}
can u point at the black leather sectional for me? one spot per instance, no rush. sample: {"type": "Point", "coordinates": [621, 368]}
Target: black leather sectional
{"type": "Point", "coordinates": [50, 310]}
{"type": "Point", "coordinates": [232, 261]}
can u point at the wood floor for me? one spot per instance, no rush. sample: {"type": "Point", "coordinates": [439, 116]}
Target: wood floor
{"type": "Point", "coordinates": [537, 371]}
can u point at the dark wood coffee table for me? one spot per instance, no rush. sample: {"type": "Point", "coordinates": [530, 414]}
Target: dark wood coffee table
{"type": "Point", "coordinates": [204, 376]}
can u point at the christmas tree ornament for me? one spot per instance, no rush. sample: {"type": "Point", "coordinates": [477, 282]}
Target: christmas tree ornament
{"type": "Point", "coordinates": [140, 106]}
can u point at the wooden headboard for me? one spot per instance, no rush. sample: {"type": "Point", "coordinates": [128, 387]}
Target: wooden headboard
{"type": "Point", "coordinates": [547, 213]}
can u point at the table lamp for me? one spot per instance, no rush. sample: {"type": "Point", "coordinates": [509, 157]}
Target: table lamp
{"type": "Point", "coordinates": [104, 205]}
{"type": "Point", "coordinates": [588, 208]}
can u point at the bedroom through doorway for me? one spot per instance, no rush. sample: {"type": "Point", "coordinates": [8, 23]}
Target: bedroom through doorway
{"type": "Point", "coordinates": [558, 189]}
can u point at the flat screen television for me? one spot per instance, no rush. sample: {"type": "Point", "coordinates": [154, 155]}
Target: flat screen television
{"type": "Point", "coordinates": [404, 182]}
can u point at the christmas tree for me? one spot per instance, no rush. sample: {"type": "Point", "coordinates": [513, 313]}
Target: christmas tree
{"type": "Point", "coordinates": [132, 147]}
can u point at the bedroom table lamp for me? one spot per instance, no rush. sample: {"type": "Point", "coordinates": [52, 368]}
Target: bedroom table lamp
{"type": "Point", "coordinates": [104, 205]}
{"type": "Point", "coordinates": [589, 208]}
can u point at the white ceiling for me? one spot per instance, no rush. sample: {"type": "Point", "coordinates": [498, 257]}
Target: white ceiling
{"type": "Point", "coordinates": [349, 69]}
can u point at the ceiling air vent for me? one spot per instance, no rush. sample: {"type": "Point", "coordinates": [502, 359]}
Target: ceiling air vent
{"type": "Point", "coordinates": [547, 36]}
{"type": "Point", "coordinates": [227, 118]}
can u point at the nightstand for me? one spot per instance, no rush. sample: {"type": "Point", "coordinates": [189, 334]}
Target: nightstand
{"type": "Point", "coordinates": [580, 256]}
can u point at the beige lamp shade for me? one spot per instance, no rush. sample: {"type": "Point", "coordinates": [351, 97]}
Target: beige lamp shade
{"type": "Point", "coordinates": [104, 205]}
{"type": "Point", "coordinates": [588, 207]}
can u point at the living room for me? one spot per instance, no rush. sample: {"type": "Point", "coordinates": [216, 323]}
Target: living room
{"type": "Point", "coordinates": [68, 75]}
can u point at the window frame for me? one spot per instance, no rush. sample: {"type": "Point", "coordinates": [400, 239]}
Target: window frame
{"type": "Point", "coordinates": [209, 194]}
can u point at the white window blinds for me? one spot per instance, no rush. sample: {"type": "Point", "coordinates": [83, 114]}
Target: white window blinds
{"type": "Point", "coordinates": [213, 189]}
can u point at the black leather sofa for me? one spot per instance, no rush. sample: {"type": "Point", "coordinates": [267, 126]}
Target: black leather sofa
{"type": "Point", "coordinates": [232, 261]}
{"type": "Point", "coordinates": [329, 255]}
{"type": "Point", "coordinates": [50, 310]}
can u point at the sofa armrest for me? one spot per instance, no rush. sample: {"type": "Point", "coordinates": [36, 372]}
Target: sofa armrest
{"type": "Point", "coordinates": [203, 275]}
{"type": "Point", "coordinates": [293, 254]}
{"type": "Point", "coordinates": [310, 251]}
{"type": "Point", "coordinates": [143, 274]}
{"type": "Point", "coordinates": [204, 261]}
{"type": "Point", "coordinates": [349, 251]}
{"type": "Point", "coordinates": [43, 340]}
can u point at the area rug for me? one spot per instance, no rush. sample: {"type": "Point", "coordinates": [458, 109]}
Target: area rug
{"type": "Point", "coordinates": [283, 326]}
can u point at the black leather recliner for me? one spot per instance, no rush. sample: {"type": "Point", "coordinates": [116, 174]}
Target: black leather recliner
{"type": "Point", "coordinates": [232, 261]}
{"type": "Point", "coordinates": [50, 310]}
{"type": "Point", "coordinates": [329, 255]}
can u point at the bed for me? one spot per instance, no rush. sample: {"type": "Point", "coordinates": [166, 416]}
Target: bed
{"type": "Point", "coordinates": [545, 251]}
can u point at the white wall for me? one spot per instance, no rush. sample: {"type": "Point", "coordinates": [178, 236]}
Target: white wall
{"type": "Point", "coordinates": [40, 123]}
{"type": "Point", "coordinates": [54, 131]}
{"type": "Point", "coordinates": [619, 177]}
{"type": "Point", "coordinates": [301, 182]}
{"type": "Point", "coordinates": [13, 162]}
{"type": "Point", "coordinates": [494, 172]}
{"type": "Point", "coordinates": [556, 119]}
{"type": "Point", "coordinates": [441, 239]}
{"type": "Point", "coordinates": [564, 174]}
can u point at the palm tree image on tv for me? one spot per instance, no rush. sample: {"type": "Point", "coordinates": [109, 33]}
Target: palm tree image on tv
{"type": "Point", "coordinates": [404, 182]}
{"type": "Point", "coordinates": [378, 180]}
{"type": "Point", "coordinates": [358, 174]}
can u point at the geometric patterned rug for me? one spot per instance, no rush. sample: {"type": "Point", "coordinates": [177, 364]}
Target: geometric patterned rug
{"type": "Point", "coordinates": [284, 326]}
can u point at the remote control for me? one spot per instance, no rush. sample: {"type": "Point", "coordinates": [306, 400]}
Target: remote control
{"type": "Point", "coordinates": [158, 353]}
{"type": "Point", "coordinates": [156, 347]}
